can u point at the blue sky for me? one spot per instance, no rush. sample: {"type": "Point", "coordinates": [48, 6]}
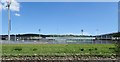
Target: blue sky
{"type": "Point", "coordinates": [63, 18]}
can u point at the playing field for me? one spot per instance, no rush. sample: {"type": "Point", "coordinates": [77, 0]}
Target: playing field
{"type": "Point", "coordinates": [57, 49]}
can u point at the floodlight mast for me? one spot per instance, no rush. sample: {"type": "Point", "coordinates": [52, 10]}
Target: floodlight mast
{"type": "Point", "coordinates": [39, 33]}
{"type": "Point", "coordinates": [82, 32]}
{"type": "Point", "coordinates": [9, 24]}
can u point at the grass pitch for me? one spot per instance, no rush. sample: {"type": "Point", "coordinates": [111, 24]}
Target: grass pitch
{"type": "Point", "coordinates": [57, 49]}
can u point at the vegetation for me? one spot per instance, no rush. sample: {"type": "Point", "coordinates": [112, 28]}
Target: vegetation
{"type": "Point", "coordinates": [58, 49]}
{"type": "Point", "coordinates": [116, 34]}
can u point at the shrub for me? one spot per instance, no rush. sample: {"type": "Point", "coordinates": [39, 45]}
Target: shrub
{"type": "Point", "coordinates": [82, 49]}
{"type": "Point", "coordinates": [34, 49]}
{"type": "Point", "coordinates": [95, 48]}
{"type": "Point", "coordinates": [90, 49]}
{"type": "Point", "coordinates": [111, 48]}
{"type": "Point", "coordinates": [18, 49]}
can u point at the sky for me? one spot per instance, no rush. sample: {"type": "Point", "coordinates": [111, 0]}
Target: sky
{"type": "Point", "coordinates": [63, 18]}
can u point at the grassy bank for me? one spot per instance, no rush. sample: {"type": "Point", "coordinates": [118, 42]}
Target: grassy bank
{"type": "Point", "coordinates": [57, 49]}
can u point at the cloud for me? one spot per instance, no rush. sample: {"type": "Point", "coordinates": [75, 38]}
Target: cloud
{"type": "Point", "coordinates": [0, 6]}
{"type": "Point", "coordinates": [16, 14]}
{"type": "Point", "coordinates": [86, 33]}
{"type": "Point", "coordinates": [15, 6]}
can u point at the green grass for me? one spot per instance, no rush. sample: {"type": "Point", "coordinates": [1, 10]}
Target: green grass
{"type": "Point", "coordinates": [57, 49]}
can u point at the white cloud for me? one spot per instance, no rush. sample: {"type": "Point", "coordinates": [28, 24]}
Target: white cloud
{"type": "Point", "coordinates": [15, 6]}
{"type": "Point", "coordinates": [2, 1]}
{"type": "Point", "coordinates": [86, 33]}
{"type": "Point", "coordinates": [16, 14]}
{"type": "Point", "coordinates": [0, 6]}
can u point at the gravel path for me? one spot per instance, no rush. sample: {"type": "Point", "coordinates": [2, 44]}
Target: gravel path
{"type": "Point", "coordinates": [58, 59]}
